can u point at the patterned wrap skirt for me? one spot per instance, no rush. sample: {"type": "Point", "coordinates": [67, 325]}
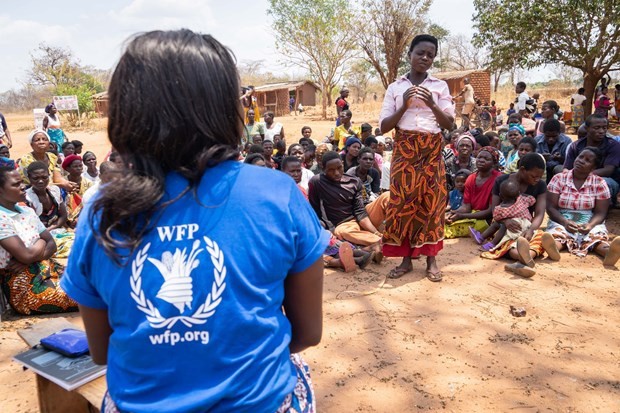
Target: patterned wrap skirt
{"type": "Point", "coordinates": [36, 289]}
{"type": "Point", "coordinates": [578, 244]}
{"type": "Point", "coordinates": [414, 223]}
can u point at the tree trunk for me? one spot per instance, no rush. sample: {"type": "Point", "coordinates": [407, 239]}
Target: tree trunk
{"type": "Point", "coordinates": [324, 101]}
{"type": "Point", "coordinates": [589, 84]}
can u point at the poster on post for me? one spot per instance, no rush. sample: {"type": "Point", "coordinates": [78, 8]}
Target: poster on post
{"type": "Point", "coordinates": [66, 102]}
{"type": "Point", "coordinates": [39, 115]}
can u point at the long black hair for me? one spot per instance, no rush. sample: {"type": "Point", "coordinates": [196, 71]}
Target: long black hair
{"type": "Point", "coordinates": [173, 106]}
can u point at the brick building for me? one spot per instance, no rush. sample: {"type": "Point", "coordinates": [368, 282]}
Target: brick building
{"type": "Point", "coordinates": [479, 79]}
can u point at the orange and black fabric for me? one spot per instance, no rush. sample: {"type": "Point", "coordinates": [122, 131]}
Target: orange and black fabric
{"type": "Point", "coordinates": [415, 215]}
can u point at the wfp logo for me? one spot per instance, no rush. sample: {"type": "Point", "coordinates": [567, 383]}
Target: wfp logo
{"type": "Point", "coordinates": [177, 289]}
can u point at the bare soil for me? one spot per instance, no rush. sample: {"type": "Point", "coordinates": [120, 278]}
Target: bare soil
{"type": "Point", "coordinates": [413, 345]}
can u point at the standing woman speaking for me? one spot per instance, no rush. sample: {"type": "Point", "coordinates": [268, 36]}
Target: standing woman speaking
{"type": "Point", "coordinates": [417, 105]}
{"type": "Point", "coordinates": [182, 306]}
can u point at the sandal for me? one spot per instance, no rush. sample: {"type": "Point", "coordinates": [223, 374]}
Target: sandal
{"type": "Point", "coordinates": [523, 249]}
{"type": "Point", "coordinates": [487, 247]}
{"type": "Point", "coordinates": [345, 253]}
{"type": "Point", "coordinates": [398, 272]}
{"type": "Point", "coordinates": [434, 276]}
{"type": "Point", "coordinates": [520, 269]}
{"type": "Point", "coordinates": [476, 235]}
{"type": "Point", "coordinates": [548, 244]}
{"type": "Point", "coordinates": [613, 254]}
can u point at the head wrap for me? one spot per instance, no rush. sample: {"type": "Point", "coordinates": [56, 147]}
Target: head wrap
{"type": "Point", "coordinates": [517, 127]}
{"type": "Point", "coordinates": [49, 107]}
{"type": "Point", "coordinates": [323, 147]}
{"type": "Point", "coordinates": [7, 163]}
{"type": "Point", "coordinates": [489, 149]}
{"type": "Point", "coordinates": [380, 139]}
{"type": "Point", "coordinates": [34, 132]}
{"type": "Point", "coordinates": [69, 160]}
{"type": "Point", "coordinates": [463, 136]}
{"type": "Point", "coordinates": [351, 140]}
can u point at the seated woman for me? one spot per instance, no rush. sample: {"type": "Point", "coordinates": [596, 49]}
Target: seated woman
{"type": "Point", "coordinates": [29, 278]}
{"type": "Point", "coordinates": [577, 204]}
{"type": "Point", "coordinates": [40, 144]}
{"type": "Point", "coordinates": [475, 209]}
{"type": "Point", "coordinates": [513, 206]}
{"type": "Point", "coordinates": [74, 167]}
{"type": "Point", "coordinates": [464, 158]}
{"type": "Point", "coordinates": [351, 152]}
{"type": "Point", "coordinates": [529, 246]}
{"type": "Point", "coordinates": [91, 172]}
{"type": "Point", "coordinates": [48, 204]}
{"type": "Point", "coordinates": [514, 135]}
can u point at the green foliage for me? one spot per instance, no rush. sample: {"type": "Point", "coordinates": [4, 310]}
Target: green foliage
{"type": "Point", "coordinates": [315, 35]}
{"type": "Point", "coordinates": [581, 34]}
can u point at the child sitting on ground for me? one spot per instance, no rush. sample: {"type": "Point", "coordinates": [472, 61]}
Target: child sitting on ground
{"type": "Point", "coordinates": [456, 195]}
{"type": "Point", "coordinates": [338, 254]}
{"type": "Point", "coordinates": [514, 206]}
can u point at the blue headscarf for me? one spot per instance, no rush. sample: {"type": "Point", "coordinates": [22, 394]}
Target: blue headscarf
{"type": "Point", "coordinates": [519, 128]}
{"type": "Point", "coordinates": [351, 140]}
{"type": "Point", "coordinates": [6, 162]}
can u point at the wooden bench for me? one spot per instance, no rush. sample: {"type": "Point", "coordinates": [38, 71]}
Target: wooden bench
{"type": "Point", "coordinates": [52, 397]}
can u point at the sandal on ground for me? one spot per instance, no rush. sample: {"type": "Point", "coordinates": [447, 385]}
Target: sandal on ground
{"type": "Point", "coordinates": [434, 276]}
{"type": "Point", "coordinates": [398, 272]}
{"type": "Point", "coordinates": [523, 249]}
{"type": "Point", "coordinates": [476, 235]}
{"type": "Point", "coordinates": [487, 247]}
{"type": "Point", "coordinates": [520, 269]}
{"type": "Point", "coordinates": [345, 253]}
{"type": "Point", "coordinates": [548, 244]}
{"type": "Point", "coordinates": [612, 256]}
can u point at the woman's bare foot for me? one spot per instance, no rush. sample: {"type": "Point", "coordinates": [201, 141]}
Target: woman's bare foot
{"type": "Point", "coordinates": [433, 273]}
{"type": "Point", "coordinates": [404, 267]}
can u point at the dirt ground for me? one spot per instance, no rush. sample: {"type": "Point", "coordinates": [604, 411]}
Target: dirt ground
{"type": "Point", "coordinates": [413, 345]}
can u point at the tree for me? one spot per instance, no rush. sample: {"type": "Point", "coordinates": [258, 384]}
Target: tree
{"type": "Point", "coordinates": [581, 34]}
{"type": "Point", "coordinates": [386, 28]}
{"type": "Point", "coordinates": [55, 70]}
{"type": "Point", "coordinates": [53, 66]}
{"type": "Point", "coordinates": [458, 53]}
{"type": "Point", "coordinates": [357, 77]}
{"type": "Point", "coordinates": [315, 35]}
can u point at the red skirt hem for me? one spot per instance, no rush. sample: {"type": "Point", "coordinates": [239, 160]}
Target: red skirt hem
{"type": "Point", "coordinates": [429, 250]}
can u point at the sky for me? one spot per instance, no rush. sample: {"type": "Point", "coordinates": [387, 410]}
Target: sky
{"type": "Point", "coordinates": [96, 30]}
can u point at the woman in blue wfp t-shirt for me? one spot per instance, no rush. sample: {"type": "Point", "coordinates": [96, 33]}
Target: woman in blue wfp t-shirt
{"type": "Point", "coordinates": [176, 295]}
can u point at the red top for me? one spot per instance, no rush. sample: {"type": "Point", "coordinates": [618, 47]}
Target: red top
{"type": "Point", "coordinates": [479, 197]}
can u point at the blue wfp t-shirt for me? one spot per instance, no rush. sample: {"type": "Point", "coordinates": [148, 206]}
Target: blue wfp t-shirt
{"type": "Point", "coordinates": [196, 314]}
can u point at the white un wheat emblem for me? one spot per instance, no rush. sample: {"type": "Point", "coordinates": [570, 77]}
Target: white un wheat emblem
{"type": "Point", "coordinates": [203, 312]}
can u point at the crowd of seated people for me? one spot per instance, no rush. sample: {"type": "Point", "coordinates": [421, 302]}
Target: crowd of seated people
{"type": "Point", "coordinates": [501, 186]}
{"type": "Point", "coordinates": [42, 195]}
